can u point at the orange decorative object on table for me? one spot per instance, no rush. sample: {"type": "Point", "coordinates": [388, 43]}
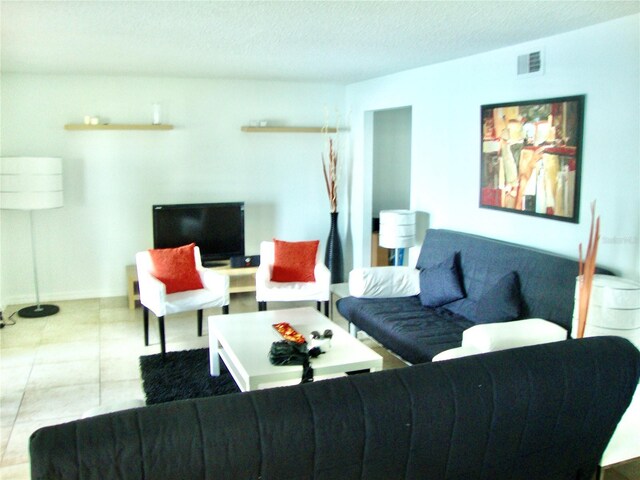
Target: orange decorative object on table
{"type": "Point", "coordinates": [289, 333]}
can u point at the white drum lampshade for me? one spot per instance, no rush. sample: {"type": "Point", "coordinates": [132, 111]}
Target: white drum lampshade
{"type": "Point", "coordinates": [31, 183]}
{"type": "Point", "coordinates": [397, 230]}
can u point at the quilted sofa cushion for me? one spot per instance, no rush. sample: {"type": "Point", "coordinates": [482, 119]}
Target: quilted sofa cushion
{"type": "Point", "coordinates": [405, 326]}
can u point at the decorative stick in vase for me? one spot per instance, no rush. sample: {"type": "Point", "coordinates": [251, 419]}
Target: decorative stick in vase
{"type": "Point", "coordinates": [586, 271]}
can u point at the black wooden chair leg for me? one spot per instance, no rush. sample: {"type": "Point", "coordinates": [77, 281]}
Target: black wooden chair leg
{"type": "Point", "coordinates": [225, 309]}
{"type": "Point", "coordinates": [319, 306]}
{"type": "Point", "coordinates": [326, 309]}
{"type": "Point", "coordinates": [145, 317]}
{"type": "Point", "coordinates": [163, 348]}
{"type": "Point", "coordinates": [262, 306]}
{"type": "Point", "coordinates": [200, 322]}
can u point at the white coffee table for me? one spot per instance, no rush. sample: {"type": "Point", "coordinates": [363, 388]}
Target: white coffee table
{"type": "Point", "coordinates": [243, 341]}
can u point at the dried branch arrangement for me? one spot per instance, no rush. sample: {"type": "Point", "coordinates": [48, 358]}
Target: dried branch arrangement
{"type": "Point", "coordinates": [587, 269]}
{"type": "Point", "coordinates": [331, 176]}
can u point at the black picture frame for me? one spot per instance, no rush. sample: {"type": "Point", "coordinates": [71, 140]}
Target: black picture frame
{"type": "Point", "coordinates": [531, 157]}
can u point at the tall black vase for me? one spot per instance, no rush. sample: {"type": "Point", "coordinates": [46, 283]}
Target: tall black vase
{"type": "Point", "coordinates": [333, 252]}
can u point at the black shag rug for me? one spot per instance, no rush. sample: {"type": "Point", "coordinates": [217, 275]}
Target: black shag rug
{"type": "Point", "coordinates": [182, 375]}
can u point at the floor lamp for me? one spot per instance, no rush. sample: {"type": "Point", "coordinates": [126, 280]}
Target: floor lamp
{"type": "Point", "coordinates": [397, 231]}
{"type": "Point", "coordinates": [31, 183]}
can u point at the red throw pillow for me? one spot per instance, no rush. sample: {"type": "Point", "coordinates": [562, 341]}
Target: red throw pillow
{"type": "Point", "coordinates": [176, 268]}
{"type": "Point", "coordinates": [294, 261]}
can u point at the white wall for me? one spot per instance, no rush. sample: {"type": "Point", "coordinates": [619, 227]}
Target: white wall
{"type": "Point", "coordinates": [601, 61]}
{"type": "Point", "coordinates": [111, 178]}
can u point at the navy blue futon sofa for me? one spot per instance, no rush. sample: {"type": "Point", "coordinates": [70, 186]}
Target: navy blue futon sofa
{"type": "Point", "coordinates": [497, 281]}
{"type": "Point", "coordinates": [544, 412]}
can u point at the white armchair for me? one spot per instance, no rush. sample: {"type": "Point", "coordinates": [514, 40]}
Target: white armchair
{"type": "Point", "coordinates": [153, 295]}
{"type": "Point", "coordinates": [268, 291]}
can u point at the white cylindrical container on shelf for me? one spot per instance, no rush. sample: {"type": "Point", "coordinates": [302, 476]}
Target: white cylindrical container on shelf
{"type": "Point", "coordinates": [157, 111]}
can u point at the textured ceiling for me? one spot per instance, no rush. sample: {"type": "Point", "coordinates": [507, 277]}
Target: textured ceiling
{"type": "Point", "coordinates": [335, 41]}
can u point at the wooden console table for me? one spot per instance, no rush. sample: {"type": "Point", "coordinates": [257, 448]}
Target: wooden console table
{"type": "Point", "coordinates": [240, 280]}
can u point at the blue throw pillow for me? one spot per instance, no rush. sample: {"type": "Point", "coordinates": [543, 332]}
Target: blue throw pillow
{"type": "Point", "coordinates": [440, 284]}
{"type": "Point", "coordinates": [501, 303]}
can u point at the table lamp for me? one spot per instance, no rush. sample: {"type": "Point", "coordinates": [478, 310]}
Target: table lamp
{"type": "Point", "coordinates": [397, 231]}
{"type": "Point", "coordinates": [31, 183]}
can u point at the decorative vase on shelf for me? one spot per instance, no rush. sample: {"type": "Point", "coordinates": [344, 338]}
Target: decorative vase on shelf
{"type": "Point", "coordinates": [333, 252]}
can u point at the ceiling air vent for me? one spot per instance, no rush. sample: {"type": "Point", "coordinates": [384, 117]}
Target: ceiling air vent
{"type": "Point", "coordinates": [530, 63]}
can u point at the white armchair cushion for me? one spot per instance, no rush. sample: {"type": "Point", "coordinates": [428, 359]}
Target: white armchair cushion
{"type": "Point", "coordinates": [384, 282]}
{"type": "Point", "coordinates": [490, 337]}
{"type": "Point", "coordinates": [194, 300]}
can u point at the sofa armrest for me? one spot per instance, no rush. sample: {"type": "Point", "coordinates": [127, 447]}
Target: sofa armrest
{"type": "Point", "coordinates": [322, 274]}
{"type": "Point", "coordinates": [263, 273]}
{"type": "Point", "coordinates": [384, 282]}
{"type": "Point", "coordinates": [490, 337]}
{"type": "Point", "coordinates": [214, 281]}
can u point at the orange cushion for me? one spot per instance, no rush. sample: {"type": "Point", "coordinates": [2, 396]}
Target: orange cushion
{"type": "Point", "coordinates": [294, 261]}
{"type": "Point", "coordinates": [176, 268]}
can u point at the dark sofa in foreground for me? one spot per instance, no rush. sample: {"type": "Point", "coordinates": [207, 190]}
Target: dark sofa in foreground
{"type": "Point", "coordinates": [536, 413]}
{"type": "Point", "coordinates": [499, 282]}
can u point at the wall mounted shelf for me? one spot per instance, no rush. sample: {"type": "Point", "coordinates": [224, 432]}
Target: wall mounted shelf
{"type": "Point", "coordinates": [288, 129]}
{"type": "Point", "coordinates": [117, 126]}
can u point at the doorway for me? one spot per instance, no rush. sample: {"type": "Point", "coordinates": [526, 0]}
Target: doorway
{"type": "Point", "coordinates": [391, 170]}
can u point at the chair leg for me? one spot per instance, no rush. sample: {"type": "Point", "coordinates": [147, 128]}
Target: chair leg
{"type": "Point", "coordinates": [326, 309]}
{"type": "Point", "coordinates": [318, 306]}
{"type": "Point", "coordinates": [262, 306]}
{"type": "Point", "coordinates": [145, 317]}
{"type": "Point", "coordinates": [163, 348]}
{"type": "Point", "coordinates": [225, 309]}
{"type": "Point", "coordinates": [200, 322]}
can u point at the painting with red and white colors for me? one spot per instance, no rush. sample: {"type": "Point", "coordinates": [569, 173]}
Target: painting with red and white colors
{"type": "Point", "coordinates": [531, 157]}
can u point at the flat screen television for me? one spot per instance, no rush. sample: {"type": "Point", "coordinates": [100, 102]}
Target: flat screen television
{"type": "Point", "coordinates": [217, 228]}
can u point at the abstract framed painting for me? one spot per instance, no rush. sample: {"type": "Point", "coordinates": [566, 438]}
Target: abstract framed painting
{"type": "Point", "coordinates": [531, 157]}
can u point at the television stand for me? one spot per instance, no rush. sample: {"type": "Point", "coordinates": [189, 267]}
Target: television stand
{"type": "Point", "coordinates": [215, 264]}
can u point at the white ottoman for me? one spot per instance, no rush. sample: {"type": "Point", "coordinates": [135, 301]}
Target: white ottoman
{"type": "Point", "coordinates": [490, 337]}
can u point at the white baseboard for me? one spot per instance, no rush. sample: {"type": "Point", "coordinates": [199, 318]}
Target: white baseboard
{"type": "Point", "coordinates": [58, 297]}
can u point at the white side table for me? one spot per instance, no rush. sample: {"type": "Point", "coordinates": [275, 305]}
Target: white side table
{"type": "Point", "coordinates": [614, 309]}
{"type": "Point", "coordinates": [338, 291]}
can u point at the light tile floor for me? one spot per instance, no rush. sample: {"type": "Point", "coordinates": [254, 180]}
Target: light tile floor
{"type": "Point", "coordinates": [54, 369]}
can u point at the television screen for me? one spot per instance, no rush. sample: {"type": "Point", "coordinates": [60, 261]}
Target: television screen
{"type": "Point", "coordinates": [217, 228]}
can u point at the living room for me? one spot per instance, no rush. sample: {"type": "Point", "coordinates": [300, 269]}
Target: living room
{"type": "Point", "coordinates": [112, 178]}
